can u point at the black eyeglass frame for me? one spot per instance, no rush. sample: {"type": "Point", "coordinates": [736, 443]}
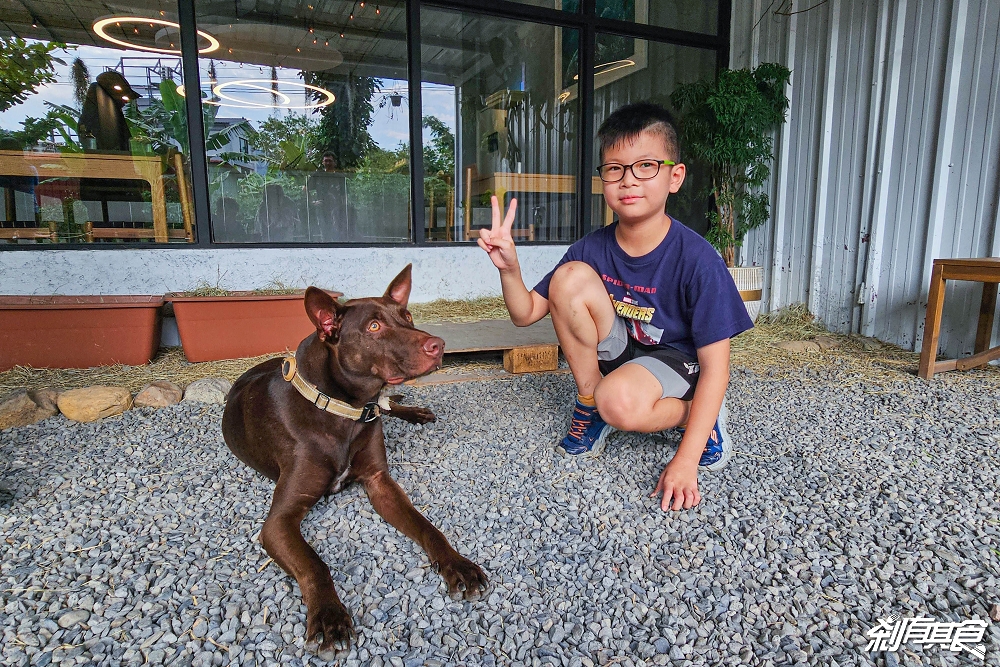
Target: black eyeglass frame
{"type": "Point", "coordinates": [629, 167]}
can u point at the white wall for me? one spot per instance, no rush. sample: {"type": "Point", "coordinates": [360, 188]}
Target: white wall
{"type": "Point", "coordinates": [450, 272]}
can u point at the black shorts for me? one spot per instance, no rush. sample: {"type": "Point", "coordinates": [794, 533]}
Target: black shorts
{"type": "Point", "coordinates": [676, 371]}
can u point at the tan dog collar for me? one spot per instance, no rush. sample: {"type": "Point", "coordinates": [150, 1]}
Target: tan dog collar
{"type": "Point", "coordinates": [366, 414]}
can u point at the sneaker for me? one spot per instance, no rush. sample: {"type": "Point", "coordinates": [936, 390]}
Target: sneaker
{"type": "Point", "coordinates": [587, 435]}
{"type": "Point", "coordinates": [719, 448]}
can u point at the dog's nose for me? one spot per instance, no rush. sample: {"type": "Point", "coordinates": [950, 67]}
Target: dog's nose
{"type": "Point", "coordinates": [434, 346]}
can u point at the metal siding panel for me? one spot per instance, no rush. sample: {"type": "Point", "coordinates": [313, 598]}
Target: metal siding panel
{"type": "Point", "coordinates": [889, 159]}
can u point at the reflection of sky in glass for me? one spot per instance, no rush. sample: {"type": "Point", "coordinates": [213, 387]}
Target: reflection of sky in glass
{"type": "Point", "coordinates": [389, 125]}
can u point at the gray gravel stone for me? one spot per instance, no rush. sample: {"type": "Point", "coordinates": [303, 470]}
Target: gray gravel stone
{"type": "Point", "coordinates": [847, 501]}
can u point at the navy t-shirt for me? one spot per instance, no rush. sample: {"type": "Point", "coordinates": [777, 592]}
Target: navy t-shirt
{"type": "Point", "coordinates": [678, 295]}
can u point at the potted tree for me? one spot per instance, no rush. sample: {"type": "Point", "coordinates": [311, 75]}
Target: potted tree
{"type": "Point", "coordinates": [727, 125]}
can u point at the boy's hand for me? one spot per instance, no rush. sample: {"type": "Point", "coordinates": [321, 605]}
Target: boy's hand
{"type": "Point", "coordinates": [678, 483]}
{"type": "Point", "coordinates": [498, 241]}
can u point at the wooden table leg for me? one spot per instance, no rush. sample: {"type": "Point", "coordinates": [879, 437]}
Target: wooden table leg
{"type": "Point", "coordinates": [153, 174]}
{"type": "Point", "coordinates": [987, 308]}
{"type": "Point", "coordinates": [932, 323]}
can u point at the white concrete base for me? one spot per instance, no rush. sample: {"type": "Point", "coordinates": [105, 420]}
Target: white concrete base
{"type": "Point", "coordinates": [447, 272]}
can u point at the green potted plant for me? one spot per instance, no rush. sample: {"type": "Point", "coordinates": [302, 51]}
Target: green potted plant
{"type": "Point", "coordinates": [727, 125]}
{"type": "Point", "coordinates": [215, 323]}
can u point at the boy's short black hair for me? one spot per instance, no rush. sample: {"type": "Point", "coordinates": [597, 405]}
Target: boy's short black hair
{"type": "Point", "coordinates": [630, 121]}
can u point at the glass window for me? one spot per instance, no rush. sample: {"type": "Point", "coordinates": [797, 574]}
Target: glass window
{"type": "Point", "coordinates": [566, 5]}
{"type": "Point", "coordinates": [306, 121]}
{"type": "Point", "coordinates": [634, 70]}
{"type": "Point", "coordinates": [91, 150]}
{"type": "Point", "coordinates": [700, 17]}
{"type": "Point", "coordinates": [500, 117]}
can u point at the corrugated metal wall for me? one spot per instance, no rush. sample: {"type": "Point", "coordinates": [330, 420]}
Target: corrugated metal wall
{"type": "Point", "coordinates": [887, 161]}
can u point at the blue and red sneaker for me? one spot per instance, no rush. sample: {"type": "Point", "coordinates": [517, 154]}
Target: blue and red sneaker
{"type": "Point", "coordinates": [587, 434]}
{"type": "Point", "coordinates": [719, 448]}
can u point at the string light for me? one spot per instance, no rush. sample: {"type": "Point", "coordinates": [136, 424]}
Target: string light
{"type": "Point", "coordinates": [326, 42]}
{"type": "Point", "coordinates": [377, 10]}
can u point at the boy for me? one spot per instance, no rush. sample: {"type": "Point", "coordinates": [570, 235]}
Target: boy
{"type": "Point", "coordinates": [655, 355]}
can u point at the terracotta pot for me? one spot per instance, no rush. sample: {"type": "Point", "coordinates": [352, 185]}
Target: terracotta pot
{"type": "Point", "coordinates": [78, 331]}
{"type": "Point", "coordinates": [240, 325]}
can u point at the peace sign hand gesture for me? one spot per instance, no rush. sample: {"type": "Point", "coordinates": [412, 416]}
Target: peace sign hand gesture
{"type": "Point", "coordinates": [497, 241]}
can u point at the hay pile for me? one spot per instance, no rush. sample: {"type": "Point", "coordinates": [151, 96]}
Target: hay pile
{"type": "Point", "coordinates": [856, 358]}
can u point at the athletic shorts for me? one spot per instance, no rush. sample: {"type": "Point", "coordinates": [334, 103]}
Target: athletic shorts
{"type": "Point", "coordinates": [676, 372]}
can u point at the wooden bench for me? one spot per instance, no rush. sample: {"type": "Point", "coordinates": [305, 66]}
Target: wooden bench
{"type": "Point", "coordinates": [984, 270]}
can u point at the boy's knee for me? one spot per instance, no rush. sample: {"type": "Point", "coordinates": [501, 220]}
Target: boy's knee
{"type": "Point", "coordinates": [614, 408]}
{"type": "Point", "coordinates": [571, 277]}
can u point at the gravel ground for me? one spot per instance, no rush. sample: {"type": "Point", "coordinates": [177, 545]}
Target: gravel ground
{"type": "Point", "coordinates": [130, 541]}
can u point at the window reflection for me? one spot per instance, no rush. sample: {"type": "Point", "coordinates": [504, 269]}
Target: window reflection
{"type": "Point", "coordinates": [88, 150]}
{"type": "Point", "coordinates": [306, 127]}
{"type": "Point", "coordinates": [497, 121]}
{"type": "Point", "coordinates": [631, 70]}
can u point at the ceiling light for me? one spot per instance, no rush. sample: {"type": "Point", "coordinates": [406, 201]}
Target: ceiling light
{"type": "Point", "coordinates": [263, 85]}
{"type": "Point", "coordinates": [99, 28]}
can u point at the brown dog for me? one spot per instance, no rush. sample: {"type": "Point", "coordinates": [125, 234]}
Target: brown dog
{"type": "Point", "coordinates": [296, 436]}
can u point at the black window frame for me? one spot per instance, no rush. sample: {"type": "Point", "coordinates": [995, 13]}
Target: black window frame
{"type": "Point", "coordinates": [585, 21]}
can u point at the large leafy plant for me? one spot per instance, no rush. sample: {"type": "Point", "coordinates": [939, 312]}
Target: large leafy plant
{"type": "Point", "coordinates": [727, 124]}
{"type": "Point", "coordinates": [24, 67]}
{"type": "Point", "coordinates": [163, 124]}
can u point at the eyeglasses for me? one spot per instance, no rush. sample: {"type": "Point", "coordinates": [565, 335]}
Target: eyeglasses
{"type": "Point", "coordinates": [643, 170]}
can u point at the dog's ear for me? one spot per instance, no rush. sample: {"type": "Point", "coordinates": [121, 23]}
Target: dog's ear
{"type": "Point", "coordinates": [399, 288]}
{"type": "Point", "coordinates": [324, 311]}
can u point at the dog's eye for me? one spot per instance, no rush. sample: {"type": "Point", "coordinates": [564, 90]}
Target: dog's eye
{"type": "Point", "coordinates": [409, 318]}
{"type": "Point", "coordinates": [374, 326]}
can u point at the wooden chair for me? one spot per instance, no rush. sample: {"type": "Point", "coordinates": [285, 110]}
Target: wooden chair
{"type": "Point", "coordinates": [15, 234]}
{"type": "Point", "coordinates": [90, 233]}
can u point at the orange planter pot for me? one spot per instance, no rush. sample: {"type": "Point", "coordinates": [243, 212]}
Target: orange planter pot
{"type": "Point", "coordinates": [239, 325]}
{"type": "Point", "coordinates": [78, 331]}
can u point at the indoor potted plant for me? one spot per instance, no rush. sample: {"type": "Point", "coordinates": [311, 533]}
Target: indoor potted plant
{"type": "Point", "coordinates": [726, 124]}
{"type": "Point", "coordinates": [215, 323]}
{"type": "Point", "coordinates": [78, 331]}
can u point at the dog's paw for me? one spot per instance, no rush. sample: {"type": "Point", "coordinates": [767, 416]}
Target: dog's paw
{"type": "Point", "coordinates": [329, 630]}
{"type": "Point", "coordinates": [465, 579]}
{"type": "Point", "coordinates": [412, 414]}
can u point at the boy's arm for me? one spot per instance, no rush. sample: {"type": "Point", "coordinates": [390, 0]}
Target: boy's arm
{"type": "Point", "coordinates": [679, 480]}
{"type": "Point", "coordinates": [524, 307]}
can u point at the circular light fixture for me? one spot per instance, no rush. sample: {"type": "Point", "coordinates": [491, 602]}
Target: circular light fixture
{"type": "Point", "coordinates": [99, 28]}
{"type": "Point", "coordinates": [264, 85]}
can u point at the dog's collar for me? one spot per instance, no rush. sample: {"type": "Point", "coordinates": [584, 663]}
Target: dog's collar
{"type": "Point", "coordinates": [366, 414]}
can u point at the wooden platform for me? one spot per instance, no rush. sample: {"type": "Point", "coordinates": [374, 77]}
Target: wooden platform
{"type": "Point", "coordinates": [525, 349]}
{"type": "Point", "coordinates": [491, 335]}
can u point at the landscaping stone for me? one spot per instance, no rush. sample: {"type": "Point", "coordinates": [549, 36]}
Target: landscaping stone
{"type": "Point", "coordinates": [159, 394]}
{"type": "Point", "coordinates": [27, 406]}
{"type": "Point", "coordinates": [93, 403]}
{"type": "Point", "coordinates": [208, 390]}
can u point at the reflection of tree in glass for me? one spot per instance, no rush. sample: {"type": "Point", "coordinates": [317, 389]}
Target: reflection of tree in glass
{"type": "Point", "coordinates": [289, 142]}
{"type": "Point", "coordinates": [163, 123]}
{"type": "Point", "coordinates": [439, 159]}
{"type": "Point", "coordinates": [343, 127]}
{"type": "Point", "coordinates": [24, 67]}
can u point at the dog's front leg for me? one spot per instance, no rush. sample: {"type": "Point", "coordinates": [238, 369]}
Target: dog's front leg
{"type": "Point", "coordinates": [391, 502]}
{"type": "Point", "coordinates": [294, 495]}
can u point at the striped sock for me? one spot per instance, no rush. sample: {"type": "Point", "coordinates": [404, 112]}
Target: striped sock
{"type": "Point", "coordinates": [587, 400]}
